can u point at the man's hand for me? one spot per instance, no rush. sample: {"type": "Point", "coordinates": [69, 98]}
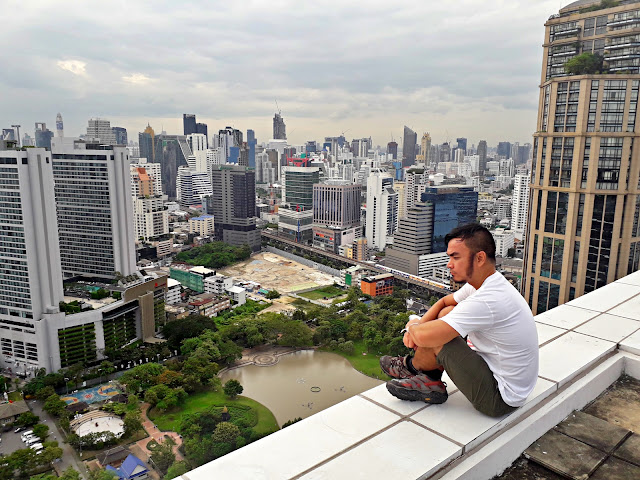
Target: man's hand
{"type": "Point", "coordinates": [408, 341]}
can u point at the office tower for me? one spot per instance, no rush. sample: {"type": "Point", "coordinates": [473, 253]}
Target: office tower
{"type": "Point", "coordinates": [425, 148]}
{"type": "Point", "coordinates": [233, 205]}
{"type": "Point", "coordinates": [265, 171]}
{"type": "Point", "coordinates": [520, 205]}
{"type": "Point", "coordinates": [146, 141]}
{"type": "Point", "coordinates": [311, 146]}
{"type": "Point", "coordinates": [412, 240]}
{"type": "Point", "coordinates": [9, 134]}
{"type": "Point", "coordinates": [409, 140]}
{"type": "Point", "coordinates": [279, 128]}
{"type": "Point", "coordinates": [444, 153]}
{"type": "Point", "coordinates": [99, 130]}
{"type": "Point", "coordinates": [336, 206]}
{"type": "Point", "coordinates": [584, 230]}
{"type": "Point", "coordinates": [31, 279]}
{"type": "Point", "coordinates": [229, 140]}
{"type": "Point", "coordinates": [297, 185]}
{"type": "Point", "coordinates": [93, 200]}
{"type": "Point", "coordinates": [59, 126]}
{"type": "Point", "coordinates": [43, 136]}
{"type": "Point", "coordinates": [392, 149]}
{"type": "Point", "coordinates": [192, 187]}
{"type": "Point", "coordinates": [189, 124]}
{"type": "Point", "coordinates": [416, 181]}
{"type": "Point", "coordinates": [504, 149]}
{"type": "Point", "coordinates": [121, 137]}
{"type": "Point", "coordinates": [28, 141]}
{"type": "Point", "coordinates": [203, 129]}
{"type": "Point", "coordinates": [171, 152]}
{"type": "Point", "coordinates": [482, 154]}
{"type": "Point", "coordinates": [453, 205]}
{"type": "Point", "coordinates": [197, 142]}
{"type": "Point", "coordinates": [382, 208]}
{"type": "Point", "coordinates": [150, 218]}
{"type": "Point", "coordinates": [252, 143]}
{"type": "Point", "coordinates": [360, 147]}
{"type": "Point", "coordinates": [462, 143]}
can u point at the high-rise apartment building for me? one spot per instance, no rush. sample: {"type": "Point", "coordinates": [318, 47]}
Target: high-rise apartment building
{"type": "Point", "coordinates": [416, 181]}
{"type": "Point", "coordinates": [94, 207]}
{"type": "Point", "coordinates": [233, 205]}
{"type": "Point", "coordinates": [411, 240]}
{"type": "Point", "coordinates": [336, 206]}
{"type": "Point", "coordinates": [520, 205]}
{"type": "Point", "coordinates": [279, 128]}
{"type": "Point", "coordinates": [482, 157]}
{"type": "Point", "coordinates": [409, 141]}
{"type": "Point", "coordinates": [297, 185]}
{"type": "Point", "coordinates": [189, 124]}
{"type": "Point", "coordinates": [583, 229]}
{"type": "Point", "coordinates": [192, 187]}
{"type": "Point", "coordinates": [382, 209]}
{"type": "Point", "coordinates": [150, 219]}
{"type": "Point", "coordinates": [99, 129]}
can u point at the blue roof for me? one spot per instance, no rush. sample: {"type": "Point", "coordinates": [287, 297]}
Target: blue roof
{"type": "Point", "coordinates": [203, 217]}
{"type": "Point", "coordinates": [127, 468]}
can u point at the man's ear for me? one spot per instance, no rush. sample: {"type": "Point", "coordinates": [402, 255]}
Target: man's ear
{"type": "Point", "coordinates": [481, 257]}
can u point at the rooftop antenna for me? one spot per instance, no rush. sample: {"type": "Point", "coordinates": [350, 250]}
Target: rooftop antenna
{"type": "Point", "coordinates": [278, 108]}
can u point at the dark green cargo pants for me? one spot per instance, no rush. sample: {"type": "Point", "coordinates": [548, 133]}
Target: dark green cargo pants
{"type": "Point", "coordinates": [473, 377]}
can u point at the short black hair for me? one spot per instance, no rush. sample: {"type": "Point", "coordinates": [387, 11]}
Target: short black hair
{"type": "Point", "coordinates": [476, 237]}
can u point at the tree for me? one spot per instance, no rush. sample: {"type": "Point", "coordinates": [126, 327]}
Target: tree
{"type": "Point", "coordinates": [101, 474]}
{"type": "Point", "coordinates": [232, 388]}
{"type": "Point", "coordinates": [163, 456]}
{"type": "Point", "coordinates": [511, 252]}
{"type": "Point", "coordinates": [23, 460]}
{"type": "Point", "coordinates": [54, 406]}
{"type": "Point", "coordinates": [584, 64]}
{"type": "Point", "coordinates": [271, 294]}
{"type": "Point", "coordinates": [141, 377]}
{"type": "Point", "coordinates": [291, 422]}
{"type": "Point", "coordinates": [132, 423]}
{"type": "Point", "coordinates": [177, 469]}
{"type": "Point", "coordinates": [41, 431]}
{"type": "Point", "coordinates": [45, 392]}
{"type": "Point", "coordinates": [27, 419]}
{"type": "Point", "coordinates": [224, 438]}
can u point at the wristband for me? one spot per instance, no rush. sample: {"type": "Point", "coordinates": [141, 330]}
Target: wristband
{"type": "Point", "coordinates": [408, 327]}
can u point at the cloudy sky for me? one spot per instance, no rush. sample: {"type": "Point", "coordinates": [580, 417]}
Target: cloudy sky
{"type": "Point", "coordinates": [466, 68]}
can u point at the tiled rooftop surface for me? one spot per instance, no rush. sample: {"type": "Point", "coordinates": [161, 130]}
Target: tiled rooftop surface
{"type": "Point", "coordinates": [585, 346]}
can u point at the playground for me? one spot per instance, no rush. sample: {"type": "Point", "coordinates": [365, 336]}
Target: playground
{"type": "Point", "coordinates": [98, 422]}
{"type": "Point", "coordinates": [92, 395]}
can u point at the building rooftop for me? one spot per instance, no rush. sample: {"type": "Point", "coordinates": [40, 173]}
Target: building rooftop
{"type": "Point", "coordinates": [202, 218]}
{"type": "Point", "coordinates": [585, 346]}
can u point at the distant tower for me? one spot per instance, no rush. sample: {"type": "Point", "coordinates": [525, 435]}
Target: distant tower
{"type": "Point", "coordinates": [59, 126]}
{"type": "Point", "coordinates": [279, 128]}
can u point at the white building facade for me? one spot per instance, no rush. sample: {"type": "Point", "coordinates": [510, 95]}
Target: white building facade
{"type": "Point", "coordinates": [382, 209]}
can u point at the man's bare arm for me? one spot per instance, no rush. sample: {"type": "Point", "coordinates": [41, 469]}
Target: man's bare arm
{"type": "Point", "coordinates": [432, 313]}
{"type": "Point", "coordinates": [431, 334]}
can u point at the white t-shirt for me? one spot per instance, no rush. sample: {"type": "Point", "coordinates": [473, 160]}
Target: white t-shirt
{"type": "Point", "coordinates": [500, 327]}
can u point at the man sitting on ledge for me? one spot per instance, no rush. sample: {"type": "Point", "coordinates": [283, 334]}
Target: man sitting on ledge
{"type": "Point", "coordinates": [496, 368]}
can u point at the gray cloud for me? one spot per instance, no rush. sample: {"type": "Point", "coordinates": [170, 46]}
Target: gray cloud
{"type": "Point", "coordinates": [466, 67]}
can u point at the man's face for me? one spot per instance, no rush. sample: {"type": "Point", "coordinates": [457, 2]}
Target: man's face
{"type": "Point", "coordinates": [461, 262]}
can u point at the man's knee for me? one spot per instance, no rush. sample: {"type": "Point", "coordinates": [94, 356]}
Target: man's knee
{"type": "Point", "coordinates": [444, 311]}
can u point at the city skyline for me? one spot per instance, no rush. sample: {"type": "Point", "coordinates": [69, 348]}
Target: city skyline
{"type": "Point", "coordinates": [366, 82]}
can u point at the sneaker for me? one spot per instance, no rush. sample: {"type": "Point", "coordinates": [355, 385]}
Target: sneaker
{"type": "Point", "coordinates": [418, 388]}
{"type": "Point", "coordinates": [395, 367]}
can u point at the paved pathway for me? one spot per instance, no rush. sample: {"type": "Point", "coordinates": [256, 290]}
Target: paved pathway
{"type": "Point", "coordinates": [157, 435]}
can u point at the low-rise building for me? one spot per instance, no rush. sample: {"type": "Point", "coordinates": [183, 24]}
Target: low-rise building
{"type": "Point", "coordinates": [504, 241]}
{"type": "Point", "coordinates": [190, 277]}
{"type": "Point", "coordinates": [208, 304]}
{"type": "Point", "coordinates": [173, 292]}
{"type": "Point", "coordinates": [377, 285]}
{"type": "Point", "coordinates": [217, 284]}
{"type": "Point", "coordinates": [202, 225]}
{"type": "Point", "coordinates": [238, 294]}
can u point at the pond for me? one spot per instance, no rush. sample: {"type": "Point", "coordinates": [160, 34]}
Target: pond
{"type": "Point", "coordinates": [301, 383]}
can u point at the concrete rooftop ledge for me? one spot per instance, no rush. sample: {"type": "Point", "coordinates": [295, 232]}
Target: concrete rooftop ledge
{"type": "Point", "coordinates": [585, 345]}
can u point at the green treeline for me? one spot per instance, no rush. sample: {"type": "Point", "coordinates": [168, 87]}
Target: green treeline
{"type": "Point", "coordinates": [215, 255]}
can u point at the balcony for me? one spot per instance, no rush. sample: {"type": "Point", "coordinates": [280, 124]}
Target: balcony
{"type": "Point", "coordinates": [585, 345]}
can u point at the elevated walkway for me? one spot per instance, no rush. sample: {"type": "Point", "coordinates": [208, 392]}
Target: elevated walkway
{"type": "Point", "coordinates": [585, 346]}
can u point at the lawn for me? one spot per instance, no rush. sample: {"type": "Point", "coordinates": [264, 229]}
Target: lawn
{"type": "Point", "coordinates": [15, 396]}
{"type": "Point", "coordinates": [328, 291]}
{"type": "Point", "coordinates": [368, 364]}
{"type": "Point", "coordinates": [198, 402]}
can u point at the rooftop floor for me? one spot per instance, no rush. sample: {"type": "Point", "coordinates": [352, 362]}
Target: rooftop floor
{"type": "Point", "coordinates": [585, 346]}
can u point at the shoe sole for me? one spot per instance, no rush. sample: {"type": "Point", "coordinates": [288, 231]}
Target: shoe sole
{"type": "Point", "coordinates": [416, 395]}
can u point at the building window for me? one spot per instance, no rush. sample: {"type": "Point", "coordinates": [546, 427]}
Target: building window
{"type": "Point", "coordinates": [609, 162]}
{"type": "Point", "coordinates": [576, 255]}
{"type": "Point", "coordinates": [599, 250]}
{"type": "Point", "coordinates": [580, 215]}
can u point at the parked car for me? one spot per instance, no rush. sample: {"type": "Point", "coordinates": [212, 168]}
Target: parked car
{"type": "Point", "coordinates": [18, 430]}
{"type": "Point", "coordinates": [36, 446]}
{"type": "Point", "coordinates": [32, 441]}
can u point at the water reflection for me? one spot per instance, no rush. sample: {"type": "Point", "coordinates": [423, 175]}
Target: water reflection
{"type": "Point", "coordinates": [301, 383]}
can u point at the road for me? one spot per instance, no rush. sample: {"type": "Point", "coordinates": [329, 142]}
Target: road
{"type": "Point", "coordinates": [69, 457]}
